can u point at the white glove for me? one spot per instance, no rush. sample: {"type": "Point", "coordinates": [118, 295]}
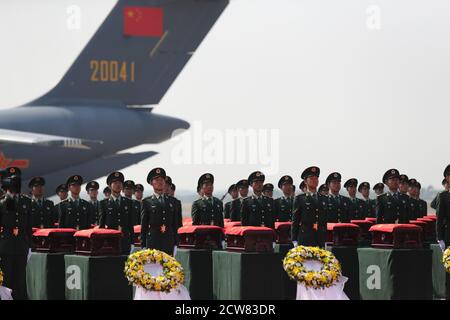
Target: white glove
{"type": "Point", "coordinates": [29, 255]}
{"type": "Point", "coordinates": [174, 250]}
{"type": "Point", "coordinates": [132, 249]}
{"type": "Point", "coordinates": [273, 244]}
{"type": "Point", "coordinates": [295, 243]}
{"type": "Point", "coordinates": [223, 244]}
{"type": "Point", "coordinates": [442, 244]}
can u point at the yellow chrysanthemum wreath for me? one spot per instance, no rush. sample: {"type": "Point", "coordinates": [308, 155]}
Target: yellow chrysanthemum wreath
{"type": "Point", "coordinates": [446, 259]}
{"type": "Point", "coordinates": [1, 277]}
{"type": "Point", "coordinates": [173, 271]}
{"type": "Point", "coordinates": [326, 277]}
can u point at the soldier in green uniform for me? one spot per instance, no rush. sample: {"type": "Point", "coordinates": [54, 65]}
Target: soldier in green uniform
{"type": "Point", "coordinates": [160, 219]}
{"type": "Point", "coordinates": [233, 192]}
{"type": "Point", "coordinates": [92, 191]}
{"type": "Point", "coordinates": [170, 192]}
{"type": "Point", "coordinates": [370, 204]}
{"type": "Point", "coordinates": [338, 206]}
{"type": "Point", "coordinates": [257, 210]}
{"type": "Point", "coordinates": [117, 212]}
{"type": "Point", "coordinates": [42, 210]}
{"type": "Point", "coordinates": [423, 205]}
{"type": "Point", "coordinates": [62, 193]}
{"type": "Point", "coordinates": [378, 189]}
{"type": "Point", "coordinates": [414, 202]}
{"type": "Point", "coordinates": [106, 192]}
{"type": "Point", "coordinates": [357, 209]}
{"type": "Point", "coordinates": [235, 213]}
{"type": "Point", "coordinates": [15, 234]}
{"type": "Point", "coordinates": [443, 216]}
{"type": "Point", "coordinates": [309, 218]}
{"type": "Point", "coordinates": [128, 191]}
{"type": "Point", "coordinates": [75, 213]}
{"type": "Point", "coordinates": [446, 186]}
{"type": "Point", "coordinates": [209, 209]}
{"type": "Point", "coordinates": [403, 185]}
{"type": "Point", "coordinates": [268, 190]}
{"type": "Point", "coordinates": [284, 204]}
{"type": "Point", "coordinates": [139, 195]}
{"type": "Point", "coordinates": [393, 206]}
{"type": "Point", "coordinates": [324, 190]}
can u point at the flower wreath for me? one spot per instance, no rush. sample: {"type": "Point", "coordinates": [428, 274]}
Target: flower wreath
{"type": "Point", "coordinates": [446, 259]}
{"type": "Point", "coordinates": [326, 277]}
{"type": "Point", "coordinates": [173, 271]}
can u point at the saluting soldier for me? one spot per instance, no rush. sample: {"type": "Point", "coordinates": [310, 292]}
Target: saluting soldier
{"type": "Point", "coordinates": [338, 206]}
{"type": "Point", "coordinates": [209, 209]}
{"type": "Point", "coordinates": [75, 213]}
{"type": "Point", "coordinates": [324, 190]}
{"type": "Point", "coordinates": [268, 190]}
{"type": "Point", "coordinates": [233, 192]}
{"type": "Point", "coordinates": [446, 185]}
{"type": "Point", "coordinates": [443, 216]}
{"type": "Point", "coordinates": [106, 192]}
{"type": "Point", "coordinates": [357, 209]}
{"type": "Point", "coordinates": [370, 204]}
{"type": "Point", "coordinates": [92, 191]}
{"type": "Point", "coordinates": [62, 192]}
{"type": "Point", "coordinates": [128, 191]}
{"type": "Point", "coordinates": [284, 204]}
{"type": "Point", "coordinates": [309, 218]}
{"type": "Point", "coordinates": [15, 234]}
{"type": "Point", "coordinates": [42, 211]}
{"type": "Point", "coordinates": [236, 204]}
{"type": "Point", "coordinates": [160, 219]}
{"type": "Point", "coordinates": [378, 188]}
{"type": "Point", "coordinates": [139, 195]}
{"type": "Point", "coordinates": [257, 210]}
{"type": "Point", "coordinates": [116, 212]}
{"type": "Point", "coordinates": [392, 206]}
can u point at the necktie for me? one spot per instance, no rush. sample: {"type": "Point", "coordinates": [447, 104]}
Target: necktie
{"type": "Point", "coordinates": [117, 202]}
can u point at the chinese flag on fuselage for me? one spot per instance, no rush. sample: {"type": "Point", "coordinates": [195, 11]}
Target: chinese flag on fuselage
{"type": "Point", "coordinates": [143, 21]}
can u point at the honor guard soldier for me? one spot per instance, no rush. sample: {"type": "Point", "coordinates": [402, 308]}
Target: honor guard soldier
{"type": "Point", "coordinates": [443, 216]}
{"type": "Point", "coordinates": [207, 210]}
{"type": "Point", "coordinates": [42, 211]}
{"type": "Point", "coordinates": [173, 187]}
{"type": "Point", "coordinates": [403, 185]}
{"type": "Point", "coordinates": [268, 190]}
{"type": "Point", "coordinates": [357, 209]}
{"type": "Point", "coordinates": [168, 191]}
{"type": "Point", "coordinates": [338, 206]}
{"type": "Point", "coordinates": [62, 193]}
{"type": "Point", "coordinates": [236, 204]}
{"type": "Point", "coordinates": [284, 204]}
{"type": "Point", "coordinates": [309, 218]}
{"type": "Point", "coordinates": [160, 219]}
{"type": "Point", "coordinates": [302, 186]}
{"type": "Point", "coordinates": [378, 188]}
{"type": "Point", "coordinates": [139, 195]}
{"type": "Point", "coordinates": [107, 192]}
{"type": "Point", "coordinates": [75, 212]}
{"type": "Point", "coordinates": [257, 210]}
{"type": "Point", "coordinates": [15, 234]}
{"type": "Point", "coordinates": [128, 191]}
{"type": "Point", "coordinates": [392, 206]}
{"type": "Point", "coordinates": [116, 212]}
{"type": "Point", "coordinates": [92, 191]}
{"type": "Point", "coordinates": [433, 203]}
{"type": "Point", "coordinates": [324, 190]}
{"type": "Point", "coordinates": [233, 192]}
{"type": "Point", "coordinates": [370, 204]}
{"type": "Point", "coordinates": [414, 202]}
{"type": "Point", "coordinates": [423, 206]}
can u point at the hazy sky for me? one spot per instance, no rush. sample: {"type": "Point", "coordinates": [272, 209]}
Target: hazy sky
{"type": "Point", "coordinates": [352, 86]}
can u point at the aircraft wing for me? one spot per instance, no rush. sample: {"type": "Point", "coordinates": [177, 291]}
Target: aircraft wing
{"type": "Point", "coordinates": [39, 139]}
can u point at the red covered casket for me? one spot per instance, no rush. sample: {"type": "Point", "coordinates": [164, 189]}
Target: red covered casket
{"type": "Point", "coordinates": [54, 240]}
{"type": "Point", "coordinates": [342, 234]}
{"type": "Point", "coordinates": [283, 232]}
{"type": "Point", "coordinates": [137, 235]}
{"type": "Point", "coordinates": [250, 239]}
{"type": "Point", "coordinates": [429, 231]}
{"type": "Point", "coordinates": [232, 224]}
{"type": "Point", "coordinates": [364, 226]}
{"type": "Point", "coordinates": [373, 220]}
{"type": "Point", "coordinates": [396, 236]}
{"type": "Point", "coordinates": [200, 237]}
{"type": "Point", "coordinates": [98, 242]}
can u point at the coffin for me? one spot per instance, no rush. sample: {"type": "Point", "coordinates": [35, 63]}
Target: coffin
{"type": "Point", "coordinates": [250, 239]}
{"type": "Point", "coordinates": [98, 242]}
{"type": "Point", "coordinates": [137, 235]}
{"type": "Point", "coordinates": [343, 234]}
{"type": "Point", "coordinates": [364, 226]}
{"type": "Point", "coordinates": [283, 232]}
{"type": "Point", "coordinates": [373, 220]}
{"type": "Point", "coordinates": [53, 240]}
{"type": "Point", "coordinates": [396, 236]}
{"type": "Point", "coordinates": [200, 237]}
{"type": "Point", "coordinates": [232, 224]}
{"type": "Point", "coordinates": [429, 231]}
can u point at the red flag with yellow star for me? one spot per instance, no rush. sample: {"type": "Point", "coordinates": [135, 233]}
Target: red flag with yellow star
{"type": "Point", "coordinates": [143, 21]}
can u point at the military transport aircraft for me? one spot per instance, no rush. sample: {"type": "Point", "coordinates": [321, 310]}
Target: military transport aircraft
{"type": "Point", "coordinates": [104, 103]}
